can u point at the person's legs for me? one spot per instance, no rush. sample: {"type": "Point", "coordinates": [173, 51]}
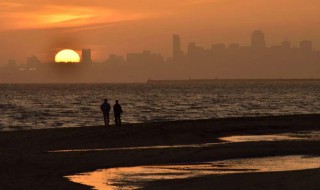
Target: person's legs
{"type": "Point", "coordinates": [108, 119]}
{"type": "Point", "coordinates": [105, 119]}
{"type": "Point", "coordinates": [116, 119]}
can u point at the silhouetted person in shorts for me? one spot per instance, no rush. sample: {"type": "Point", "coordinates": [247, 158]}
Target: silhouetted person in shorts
{"type": "Point", "coordinates": [105, 108]}
{"type": "Point", "coordinates": [117, 110]}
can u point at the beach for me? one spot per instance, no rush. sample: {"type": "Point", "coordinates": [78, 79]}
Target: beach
{"type": "Point", "coordinates": [39, 159]}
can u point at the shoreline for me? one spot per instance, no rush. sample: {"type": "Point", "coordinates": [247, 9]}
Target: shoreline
{"type": "Point", "coordinates": [151, 123]}
{"type": "Point", "coordinates": [191, 80]}
{"type": "Point", "coordinates": [25, 162]}
{"type": "Point", "coordinates": [159, 81]}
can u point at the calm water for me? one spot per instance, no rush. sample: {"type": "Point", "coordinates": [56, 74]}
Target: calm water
{"type": "Point", "coordinates": [130, 178]}
{"type": "Point", "coordinates": [26, 106]}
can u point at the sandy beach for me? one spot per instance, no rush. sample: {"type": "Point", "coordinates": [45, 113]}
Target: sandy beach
{"type": "Point", "coordinates": [32, 159]}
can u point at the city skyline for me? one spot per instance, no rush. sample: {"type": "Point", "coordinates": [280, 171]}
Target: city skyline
{"type": "Point", "coordinates": [233, 61]}
{"type": "Point", "coordinates": [255, 40]}
{"type": "Point", "coordinates": [108, 27]}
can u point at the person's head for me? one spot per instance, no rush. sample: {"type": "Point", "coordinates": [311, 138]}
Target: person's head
{"type": "Point", "coordinates": [117, 101]}
{"type": "Point", "coordinates": [105, 100]}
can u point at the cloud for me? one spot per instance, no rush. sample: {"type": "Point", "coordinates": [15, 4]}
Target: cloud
{"type": "Point", "coordinates": [49, 17]}
{"type": "Point", "coordinates": [21, 14]}
{"type": "Point", "coordinates": [26, 16]}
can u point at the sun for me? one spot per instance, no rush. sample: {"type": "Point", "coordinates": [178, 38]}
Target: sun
{"type": "Point", "coordinates": [67, 56]}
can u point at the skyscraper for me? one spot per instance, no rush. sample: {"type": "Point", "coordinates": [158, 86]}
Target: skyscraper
{"type": "Point", "coordinates": [257, 40]}
{"type": "Point", "coordinates": [86, 56]}
{"type": "Point", "coordinates": [176, 48]}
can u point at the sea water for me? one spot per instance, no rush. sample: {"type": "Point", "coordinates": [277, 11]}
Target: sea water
{"type": "Point", "coordinates": [35, 106]}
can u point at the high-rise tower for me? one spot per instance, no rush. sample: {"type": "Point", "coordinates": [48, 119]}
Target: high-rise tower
{"type": "Point", "coordinates": [257, 40]}
{"type": "Point", "coordinates": [86, 56]}
{"type": "Point", "coordinates": [177, 53]}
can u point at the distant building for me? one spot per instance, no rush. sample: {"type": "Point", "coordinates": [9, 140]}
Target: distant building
{"type": "Point", "coordinates": [234, 46]}
{"type": "Point", "coordinates": [195, 53]}
{"type": "Point", "coordinates": [11, 66]}
{"type": "Point", "coordinates": [257, 40]}
{"type": "Point", "coordinates": [193, 48]}
{"type": "Point", "coordinates": [306, 46]}
{"type": "Point", "coordinates": [86, 56]}
{"type": "Point", "coordinates": [32, 63]}
{"type": "Point", "coordinates": [115, 59]}
{"type": "Point", "coordinates": [218, 47]}
{"type": "Point", "coordinates": [286, 44]}
{"type": "Point", "coordinates": [177, 53]}
{"type": "Point", "coordinates": [145, 57]}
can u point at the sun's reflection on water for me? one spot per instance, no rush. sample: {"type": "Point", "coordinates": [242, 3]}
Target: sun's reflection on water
{"type": "Point", "coordinates": [128, 178]}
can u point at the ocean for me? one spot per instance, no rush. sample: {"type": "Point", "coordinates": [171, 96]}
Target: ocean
{"type": "Point", "coordinates": [36, 106]}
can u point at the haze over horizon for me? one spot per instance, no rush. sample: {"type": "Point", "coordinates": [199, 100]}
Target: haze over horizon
{"type": "Point", "coordinates": [42, 28]}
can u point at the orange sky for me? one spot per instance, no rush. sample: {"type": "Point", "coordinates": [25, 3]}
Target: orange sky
{"type": "Point", "coordinates": [41, 27]}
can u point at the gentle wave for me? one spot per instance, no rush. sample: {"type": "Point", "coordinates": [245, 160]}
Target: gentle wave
{"type": "Point", "coordinates": [26, 106]}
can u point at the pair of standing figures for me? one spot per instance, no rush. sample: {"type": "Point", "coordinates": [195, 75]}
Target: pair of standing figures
{"type": "Point", "coordinates": [117, 110]}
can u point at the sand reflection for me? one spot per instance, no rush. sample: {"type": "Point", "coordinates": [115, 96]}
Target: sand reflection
{"type": "Point", "coordinates": [302, 135]}
{"type": "Point", "coordinates": [137, 148]}
{"type": "Point", "coordinates": [129, 178]}
{"type": "Point", "coordinates": [255, 138]}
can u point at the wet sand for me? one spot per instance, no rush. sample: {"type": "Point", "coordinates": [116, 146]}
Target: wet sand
{"type": "Point", "coordinates": [27, 160]}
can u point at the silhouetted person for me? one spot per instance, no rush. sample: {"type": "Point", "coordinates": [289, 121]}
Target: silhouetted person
{"type": "Point", "coordinates": [117, 110]}
{"type": "Point", "coordinates": [105, 108]}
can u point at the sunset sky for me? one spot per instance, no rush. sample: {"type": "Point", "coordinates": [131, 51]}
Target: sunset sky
{"type": "Point", "coordinates": [42, 27]}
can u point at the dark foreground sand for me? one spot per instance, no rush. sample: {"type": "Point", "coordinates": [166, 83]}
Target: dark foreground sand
{"type": "Point", "coordinates": [25, 162]}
